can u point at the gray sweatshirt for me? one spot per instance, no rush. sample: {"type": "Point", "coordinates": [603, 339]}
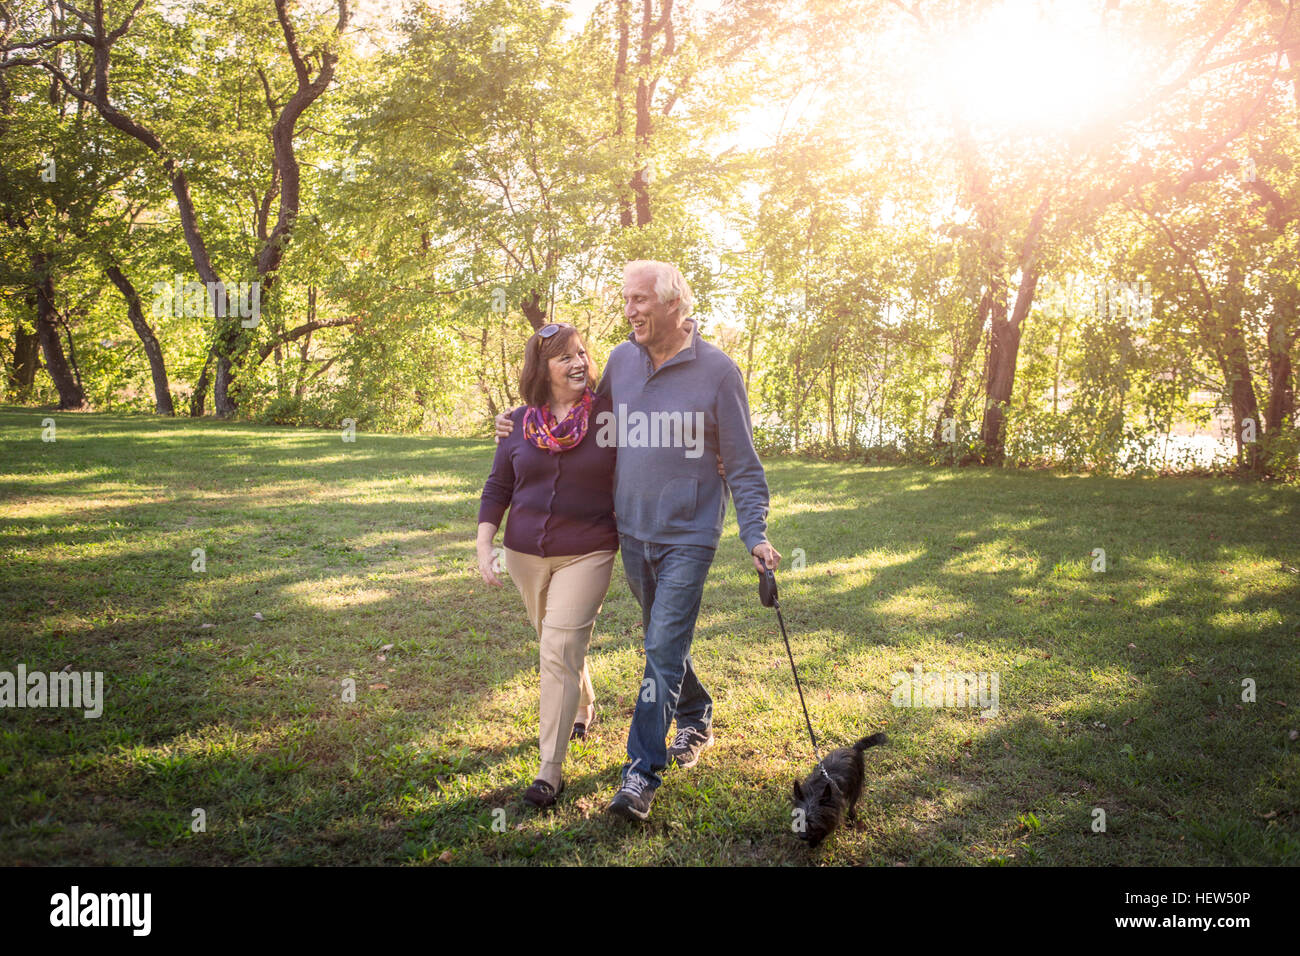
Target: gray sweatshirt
{"type": "Point", "coordinates": [669, 425]}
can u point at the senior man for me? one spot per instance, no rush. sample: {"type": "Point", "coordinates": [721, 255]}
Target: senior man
{"type": "Point", "coordinates": [679, 402]}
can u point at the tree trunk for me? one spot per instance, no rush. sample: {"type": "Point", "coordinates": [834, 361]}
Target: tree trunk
{"type": "Point", "coordinates": [1056, 369]}
{"type": "Point", "coordinates": [482, 373]}
{"type": "Point", "coordinates": [645, 92]}
{"type": "Point", "coordinates": [620, 72]}
{"type": "Point", "coordinates": [27, 347]}
{"type": "Point", "coordinates": [222, 401]}
{"type": "Point", "coordinates": [1235, 363]}
{"type": "Point", "coordinates": [71, 395]}
{"type": "Point", "coordinates": [534, 306]}
{"type": "Point", "coordinates": [1004, 348]}
{"type": "Point", "coordinates": [72, 356]}
{"type": "Point", "coordinates": [200, 395]}
{"type": "Point", "coordinates": [640, 178]}
{"type": "Point", "coordinates": [162, 396]}
{"type": "Point", "coordinates": [1281, 389]}
{"type": "Point", "coordinates": [749, 352]}
{"type": "Point", "coordinates": [962, 354]}
{"type": "Point", "coordinates": [884, 394]}
{"type": "Point", "coordinates": [853, 415]}
{"type": "Point", "coordinates": [301, 383]}
{"type": "Point", "coordinates": [305, 348]}
{"type": "Point", "coordinates": [798, 402]}
{"type": "Point", "coordinates": [830, 396]}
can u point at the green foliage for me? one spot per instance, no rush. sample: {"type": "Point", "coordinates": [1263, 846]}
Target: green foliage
{"type": "Point", "coordinates": [1280, 450]}
{"type": "Point", "coordinates": [470, 175]}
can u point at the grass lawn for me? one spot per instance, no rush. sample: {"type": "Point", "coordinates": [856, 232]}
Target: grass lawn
{"type": "Point", "coordinates": [1118, 690]}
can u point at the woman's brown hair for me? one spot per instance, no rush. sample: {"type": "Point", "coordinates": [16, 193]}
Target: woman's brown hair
{"type": "Point", "coordinates": [535, 378]}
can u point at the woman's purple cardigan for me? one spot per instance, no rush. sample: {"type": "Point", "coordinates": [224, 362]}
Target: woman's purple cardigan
{"type": "Point", "coordinates": [559, 503]}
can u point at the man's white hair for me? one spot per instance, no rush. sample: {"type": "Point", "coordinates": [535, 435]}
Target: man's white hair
{"type": "Point", "coordinates": [670, 284]}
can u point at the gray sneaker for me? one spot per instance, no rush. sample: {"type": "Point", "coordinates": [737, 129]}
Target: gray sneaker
{"type": "Point", "coordinates": [686, 746]}
{"type": "Point", "coordinates": [632, 802]}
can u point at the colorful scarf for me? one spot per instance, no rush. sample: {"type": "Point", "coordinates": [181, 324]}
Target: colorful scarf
{"type": "Point", "coordinates": [541, 428]}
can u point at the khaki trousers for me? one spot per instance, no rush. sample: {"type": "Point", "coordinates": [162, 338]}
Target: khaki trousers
{"type": "Point", "coordinates": [563, 596]}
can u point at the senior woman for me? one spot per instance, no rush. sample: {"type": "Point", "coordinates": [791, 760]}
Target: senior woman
{"type": "Point", "coordinates": [561, 538]}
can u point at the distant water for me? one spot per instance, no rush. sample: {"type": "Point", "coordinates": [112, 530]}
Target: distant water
{"type": "Point", "coordinates": [1172, 451]}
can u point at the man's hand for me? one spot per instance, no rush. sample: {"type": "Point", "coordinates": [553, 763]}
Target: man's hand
{"type": "Point", "coordinates": [765, 556]}
{"type": "Point", "coordinates": [722, 472]}
{"type": "Point", "coordinates": [504, 426]}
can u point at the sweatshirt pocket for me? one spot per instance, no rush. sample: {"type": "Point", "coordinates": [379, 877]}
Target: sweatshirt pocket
{"type": "Point", "coordinates": [677, 501]}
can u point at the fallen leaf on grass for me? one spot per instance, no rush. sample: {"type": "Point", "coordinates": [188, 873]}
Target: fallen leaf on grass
{"type": "Point", "coordinates": [379, 687]}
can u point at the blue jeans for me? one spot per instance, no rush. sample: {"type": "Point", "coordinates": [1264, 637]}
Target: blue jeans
{"type": "Point", "coordinates": [668, 581]}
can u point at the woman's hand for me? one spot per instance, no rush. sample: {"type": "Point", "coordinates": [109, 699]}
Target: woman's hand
{"type": "Point", "coordinates": [487, 564]}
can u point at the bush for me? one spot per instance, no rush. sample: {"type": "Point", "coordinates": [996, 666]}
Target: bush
{"type": "Point", "coordinates": [1280, 452]}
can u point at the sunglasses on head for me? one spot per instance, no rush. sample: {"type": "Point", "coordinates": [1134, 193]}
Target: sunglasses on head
{"type": "Point", "coordinates": [546, 331]}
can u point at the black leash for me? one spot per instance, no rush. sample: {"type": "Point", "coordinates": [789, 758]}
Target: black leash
{"type": "Point", "coordinates": [767, 595]}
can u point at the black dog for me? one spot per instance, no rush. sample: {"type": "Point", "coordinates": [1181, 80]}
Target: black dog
{"type": "Point", "coordinates": [821, 801]}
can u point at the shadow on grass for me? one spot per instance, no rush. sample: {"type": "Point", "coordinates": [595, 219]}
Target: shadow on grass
{"type": "Point", "coordinates": [953, 570]}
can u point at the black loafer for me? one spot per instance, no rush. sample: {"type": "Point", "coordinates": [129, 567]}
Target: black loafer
{"type": "Point", "coordinates": [542, 795]}
{"type": "Point", "coordinates": [580, 729]}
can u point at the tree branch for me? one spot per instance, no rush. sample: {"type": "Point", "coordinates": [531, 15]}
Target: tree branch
{"type": "Point", "coordinates": [302, 330]}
